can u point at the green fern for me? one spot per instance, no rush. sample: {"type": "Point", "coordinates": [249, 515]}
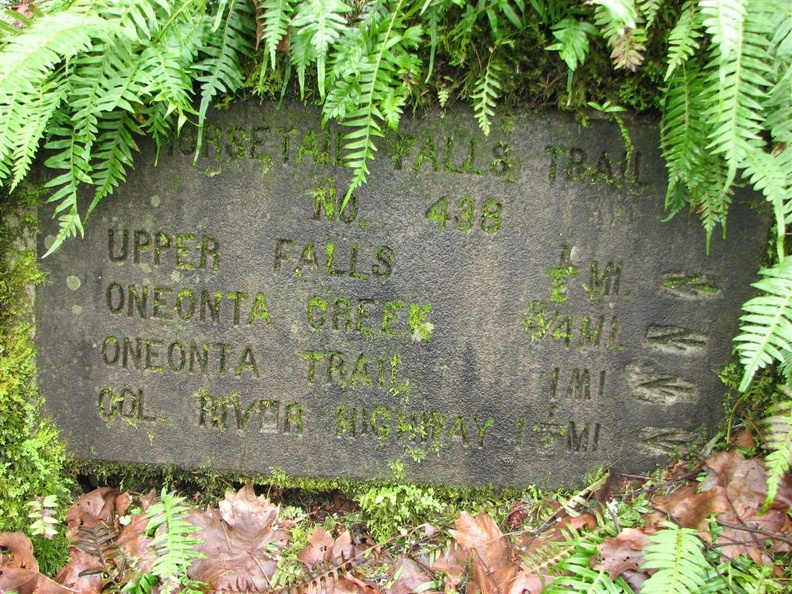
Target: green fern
{"type": "Point", "coordinates": [676, 554]}
{"type": "Point", "coordinates": [275, 16]}
{"type": "Point", "coordinates": [366, 93]}
{"type": "Point", "coordinates": [172, 542]}
{"type": "Point", "coordinates": [487, 89]}
{"type": "Point", "coordinates": [778, 439]}
{"type": "Point", "coordinates": [578, 576]}
{"type": "Point", "coordinates": [229, 41]}
{"type": "Point", "coordinates": [319, 24]}
{"type": "Point", "coordinates": [684, 39]}
{"type": "Point", "coordinates": [738, 81]}
{"type": "Point", "coordinates": [618, 21]}
{"type": "Point", "coordinates": [649, 10]}
{"type": "Point", "coordinates": [572, 45]}
{"type": "Point", "coordinates": [766, 329]}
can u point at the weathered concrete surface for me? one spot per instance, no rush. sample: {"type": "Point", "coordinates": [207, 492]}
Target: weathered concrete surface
{"type": "Point", "coordinates": [511, 309]}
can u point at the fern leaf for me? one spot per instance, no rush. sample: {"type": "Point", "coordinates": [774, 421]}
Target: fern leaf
{"type": "Point", "coordinates": [367, 92]}
{"type": "Point", "coordinates": [164, 65]}
{"type": "Point", "coordinates": [222, 71]}
{"type": "Point", "coordinates": [485, 95]}
{"type": "Point", "coordinates": [676, 554]}
{"type": "Point", "coordinates": [137, 19]}
{"type": "Point", "coordinates": [682, 129]}
{"type": "Point", "coordinates": [172, 542]}
{"type": "Point", "coordinates": [778, 439]}
{"type": "Point", "coordinates": [622, 14]}
{"type": "Point", "coordinates": [617, 20]}
{"type": "Point", "coordinates": [770, 175]}
{"type": "Point", "coordinates": [275, 18]}
{"type": "Point", "coordinates": [738, 81]}
{"type": "Point", "coordinates": [683, 41]}
{"type": "Point", "coordinates": [112, 155]}
{"type": "Point", "coordinates": [70, 225]}
{"type": "Point", "coordinates": [724, 20]}
{"type": "Point", "coordinates": [581, 578]}
{"type": "Point", "coordinates": [649, 10]}
{"type": "Point", "coordinates": [320, 23]}
{"type": "Point", "coordinates": [26, 138]}
{"type": "Point", "coordinates": [10, 121]}
{"type": "Point", "coordinates": [766, 327]}
{"type": "Point", "coordinates": [28, 59]}
{"type": "Point", "coordinates": [573, 41]}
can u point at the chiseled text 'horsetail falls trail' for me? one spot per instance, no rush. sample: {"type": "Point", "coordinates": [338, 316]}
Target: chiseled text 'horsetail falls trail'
{"type": "Point", "coordinates": [508, 309]}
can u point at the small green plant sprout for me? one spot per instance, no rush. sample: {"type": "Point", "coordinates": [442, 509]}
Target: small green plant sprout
{"type": "Point", "coordinates": [42, 512]}
{"type": "Point", "coordinates": [173, 543]}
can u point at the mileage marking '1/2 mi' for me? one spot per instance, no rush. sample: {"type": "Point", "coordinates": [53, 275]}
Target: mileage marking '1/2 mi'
{"type": "Point", "coordinates": [465, 212]}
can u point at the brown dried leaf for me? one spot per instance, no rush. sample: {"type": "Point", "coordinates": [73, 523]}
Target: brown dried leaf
{"type": "Point", "coordinates": [24, 581]}
{"type": "Point", "coordinates": [235, 541]}
{"type": "Point", "coordinates": [452, 563]}
{"type": "Point", "coordinates": [20, 551]}
{"type": "Point", "coordinates": [493, 566]}
{"type": "Point", "coordinates": [692, 509]}
{"type": "Point", "coordinates": [132, 540]}
{"type": "Point", "coordinates": [529, 583]}
{"type": "Point", "coordinates": [91, 509]}
{"type": "Point", "coordinates": [622, 555]}
{"type": "Point", "coordinates": [411, 576]}
{"type": "Point", "coordinates": [247, 514]}
{"type": "Point", "coordinates": [744, 440]}
{"type": "Point", "coordinates": [746, 529]}
{"type": "Point", "coordinates": [69, 576]}
{"type": "Point", "coordinates": [320, 548]}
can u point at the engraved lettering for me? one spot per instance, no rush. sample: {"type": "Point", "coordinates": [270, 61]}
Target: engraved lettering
{"type": "Point", "coordinates": [675, 339]}
{"type": "Point", "coordinates": [649, 385]}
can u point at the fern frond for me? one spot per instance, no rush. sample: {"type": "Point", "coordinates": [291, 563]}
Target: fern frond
{"type": "Point", "coordinates": [771, 175]}
{"type": "Point", "coordinates": [683, 41]}
{"type": "Point", "coordinates": [98, 541]}
{"type": "Point", "coordinates": [28, 59]}
{"type": "Point", "coordinates": [369, 91]}
{"type": "Point", "coordinates": [137, 19]}
{"type": "Point", "coordinates": [487, 90]}
{"type": "Point", "coordinates": [10, 120]}
{"type": "Point", "coordinates": [112, 154]}
{"type": "Point", "coordinates": [320, 23]}
{"type": "Point", "coordinates": [766, 327]}
{"type": "Point", "coordinates": [676, 554]}
{"type": "Point", "coordinates": [738, 82]}
{"type": "Point", "coordinates": [275, 18]}
{"type": "Point", "coordinates": [682, 129]}
{"type": "Point", "coordinates": [165, 63]}
{"type": "Point", "coordinates": [779, 100]}
{"type": "Point", "coordinates": [548, 555]}
{"type": "Point", "coordinates": [26, 138]}
{"type": "Point", "coordinates": [649, 10]}
{"type": "Point", "coordinates": [580, 577]}
{"type": "Point", "coordinates": [778, 439]}
{"type": "Point", "coordinates": [573, 41]}
{"type": "Point", "coordinates": [724, 20]}
{"type": "Point", "coordinates": [617, 20]}
{"type": "Point", "coordinates": [172, 542]}
{"type": "Point", "coordinates": [221, 71]}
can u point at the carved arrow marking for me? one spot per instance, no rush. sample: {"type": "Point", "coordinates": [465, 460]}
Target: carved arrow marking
{"type": "Point", "coordinates": [675, 339]}
{"type": "Point", "coordinates": [664, 440]}
{"type": "Point", "coordinates": [688, 286]}
{"type": "Point", "coordinates": [658, 388]}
